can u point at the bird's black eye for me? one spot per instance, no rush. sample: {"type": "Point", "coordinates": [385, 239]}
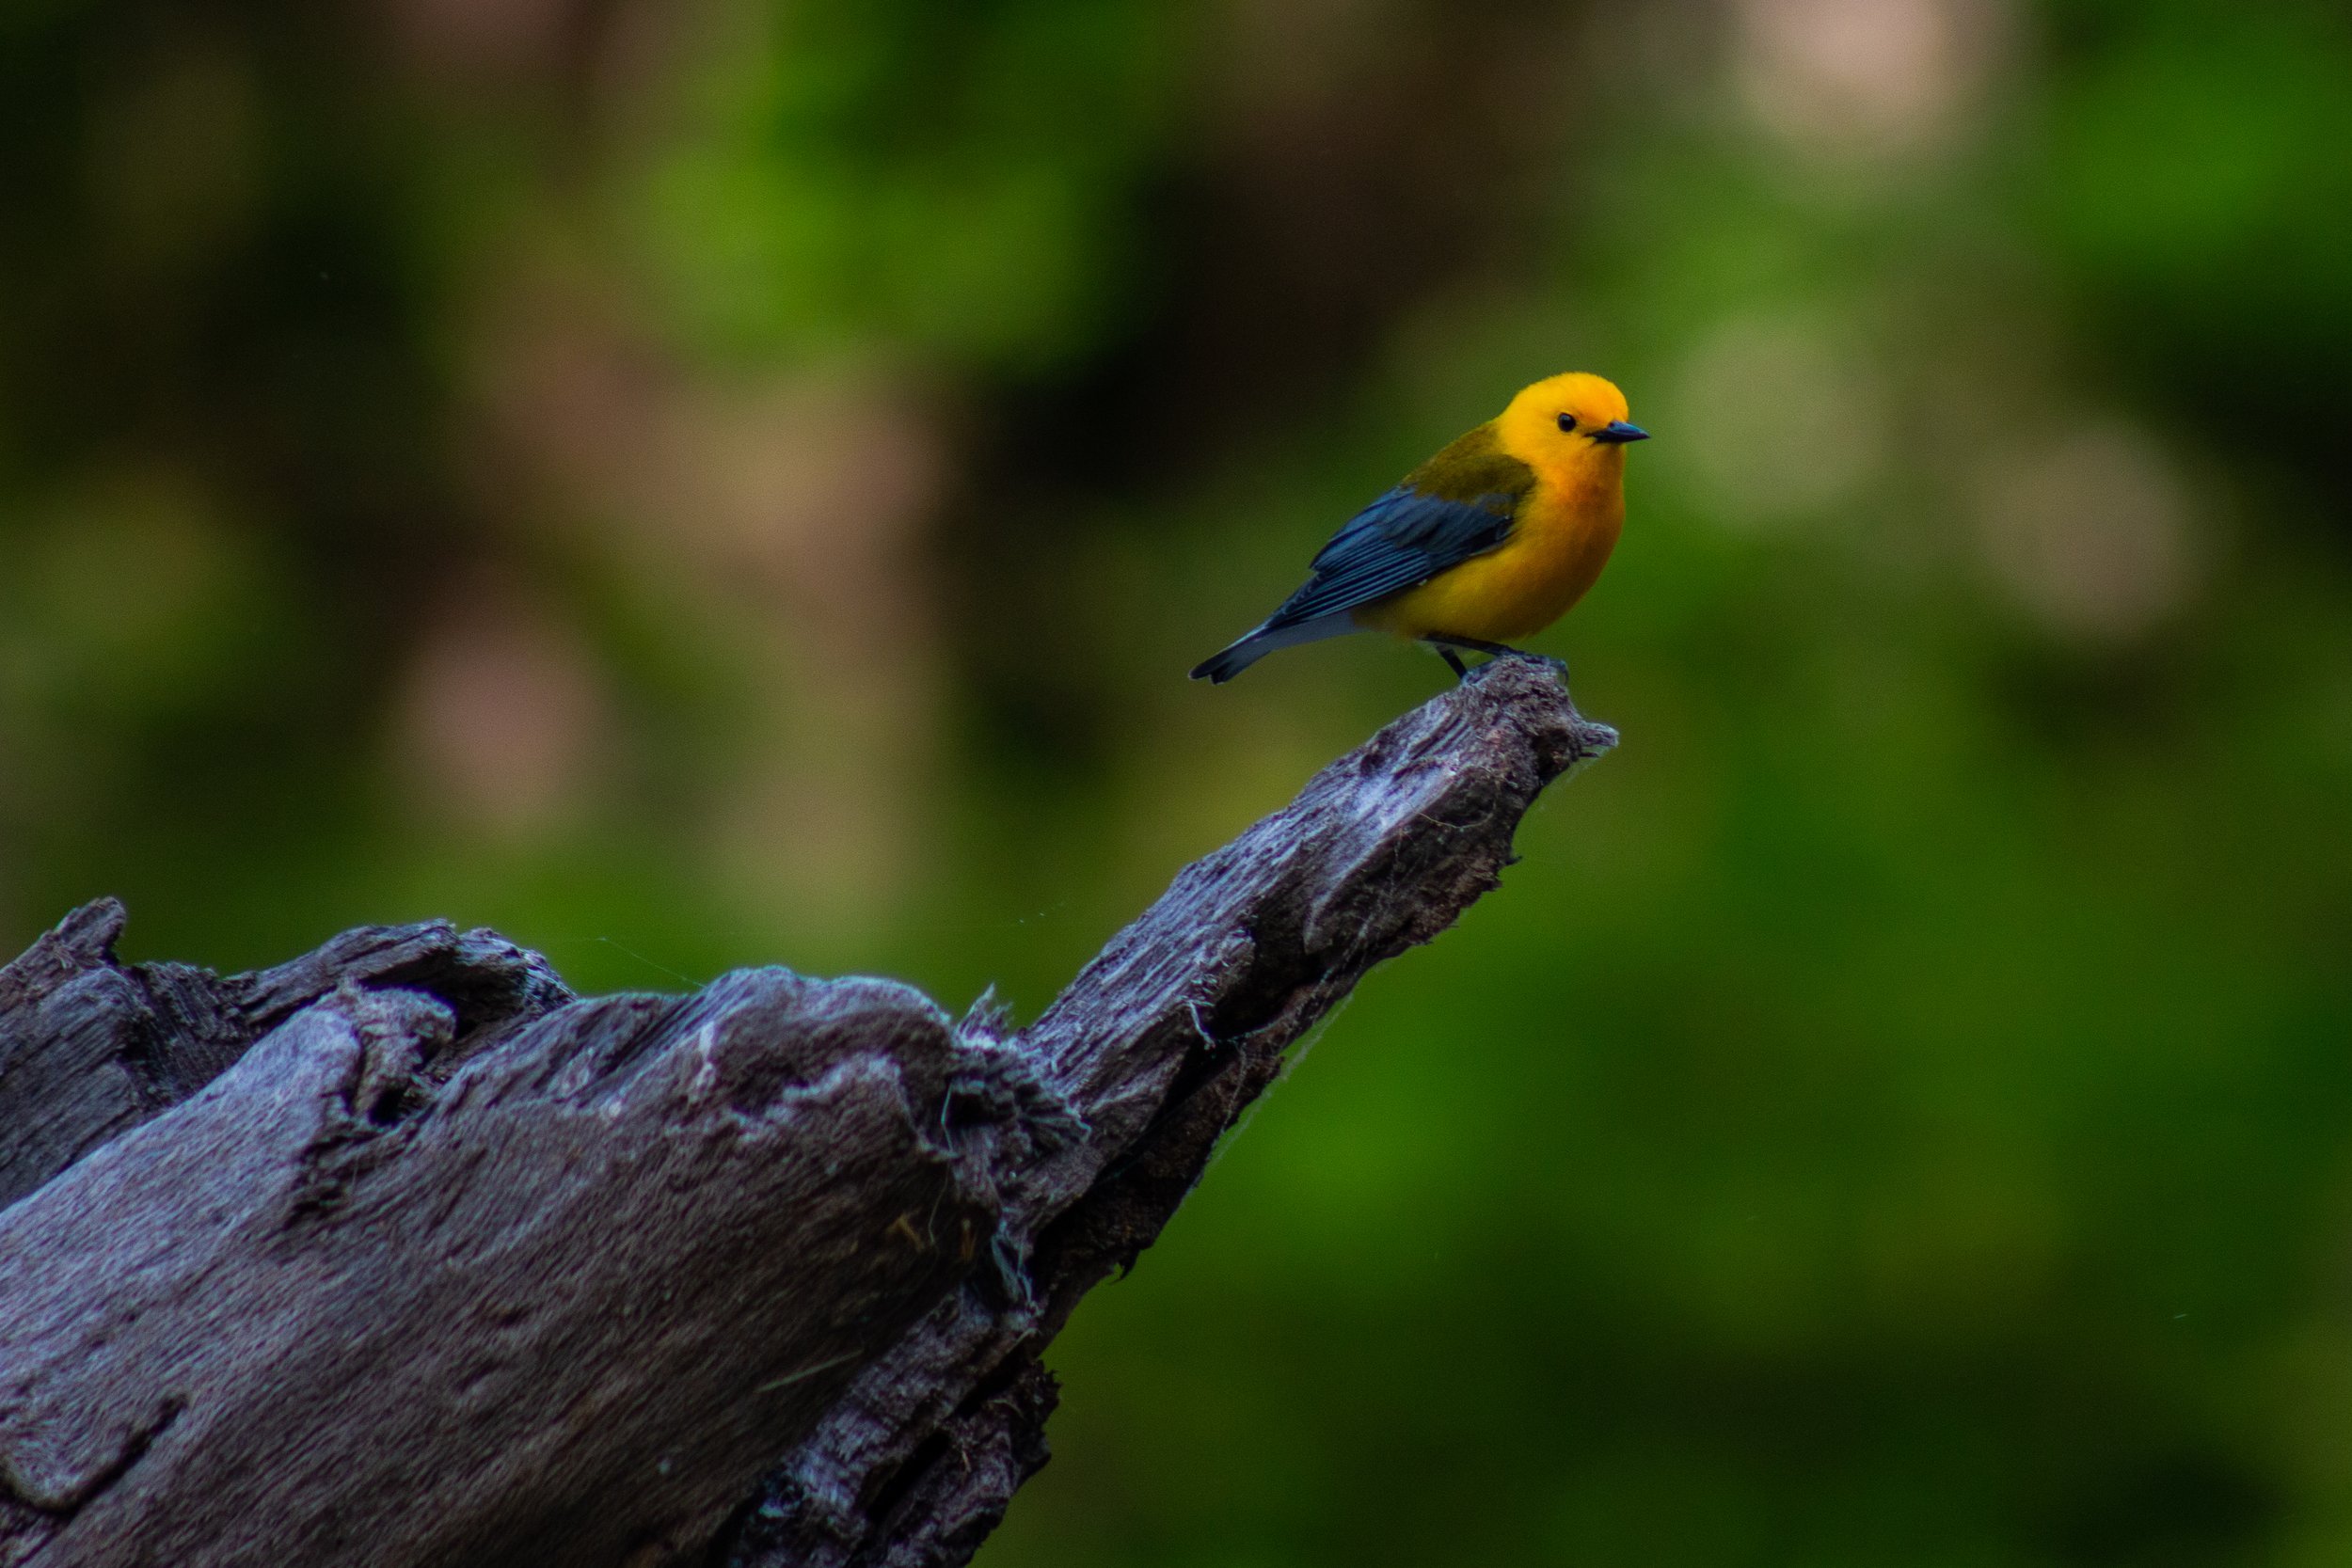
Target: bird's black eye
{"type": "Point", "coordinates": [1567, 422]}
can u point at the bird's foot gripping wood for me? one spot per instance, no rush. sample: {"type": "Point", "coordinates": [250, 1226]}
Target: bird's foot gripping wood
{"type": "Point", "coordinates": [1495, 652]}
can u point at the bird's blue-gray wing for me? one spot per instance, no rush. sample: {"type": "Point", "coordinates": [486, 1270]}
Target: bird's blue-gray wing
{"type": "Point", "coordinates": [1400, 540]}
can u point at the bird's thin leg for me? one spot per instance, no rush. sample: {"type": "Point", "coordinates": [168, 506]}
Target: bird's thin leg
{"type": "Point", "coordinates": [1499, 650]}
{"type": "Point", "coordinates": [1470, 644]}
{"type": "Point", "coordinates": [1453, 660]}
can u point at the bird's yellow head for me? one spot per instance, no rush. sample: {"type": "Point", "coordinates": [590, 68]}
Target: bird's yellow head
{"type": "Point", "coordinates": [1570, 425]}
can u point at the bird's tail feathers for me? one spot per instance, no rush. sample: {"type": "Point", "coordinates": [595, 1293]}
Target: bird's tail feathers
{"type": "Point", "coordinates": [1225, 664]}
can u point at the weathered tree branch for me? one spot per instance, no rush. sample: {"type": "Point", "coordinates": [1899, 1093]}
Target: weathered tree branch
{"type": "Point", "coordinates": [401, 1253]}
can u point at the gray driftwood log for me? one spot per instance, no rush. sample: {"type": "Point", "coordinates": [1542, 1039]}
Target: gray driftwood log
{"type": "Point", "coordinates": [401, 1253]}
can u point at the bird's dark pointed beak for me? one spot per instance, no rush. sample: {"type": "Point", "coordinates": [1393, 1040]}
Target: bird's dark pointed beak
{"type": "Point", "coordinates": [1616, 432]}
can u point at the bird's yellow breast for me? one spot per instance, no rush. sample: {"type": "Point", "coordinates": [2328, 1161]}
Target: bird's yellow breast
{"type": "Point", "coordinates": [1560, 540]}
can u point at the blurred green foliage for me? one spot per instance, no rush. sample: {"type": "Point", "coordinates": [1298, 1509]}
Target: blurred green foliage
{"type": "Point", "coordinates": [951, 181]}
{"type": "Point", "coordinates": [735, 484]}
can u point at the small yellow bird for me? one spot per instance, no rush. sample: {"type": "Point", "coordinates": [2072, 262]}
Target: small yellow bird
{"type": "Point", "coordinates": [1494, 538]}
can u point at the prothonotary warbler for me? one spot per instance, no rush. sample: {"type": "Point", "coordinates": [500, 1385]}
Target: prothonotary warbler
{"type": "Point", "coordinates": [1493, 539]}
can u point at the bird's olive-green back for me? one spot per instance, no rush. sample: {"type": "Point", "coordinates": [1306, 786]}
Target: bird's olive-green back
{"type": "Point", "coordinates": [1471, 467]}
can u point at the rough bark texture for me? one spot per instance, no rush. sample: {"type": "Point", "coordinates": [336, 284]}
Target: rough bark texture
{"type": "Point", "coordinates": [401, 1253]}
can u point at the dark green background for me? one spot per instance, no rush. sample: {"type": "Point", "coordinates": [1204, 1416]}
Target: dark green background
{"type": "Point", "coordinates": [703, 485]}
